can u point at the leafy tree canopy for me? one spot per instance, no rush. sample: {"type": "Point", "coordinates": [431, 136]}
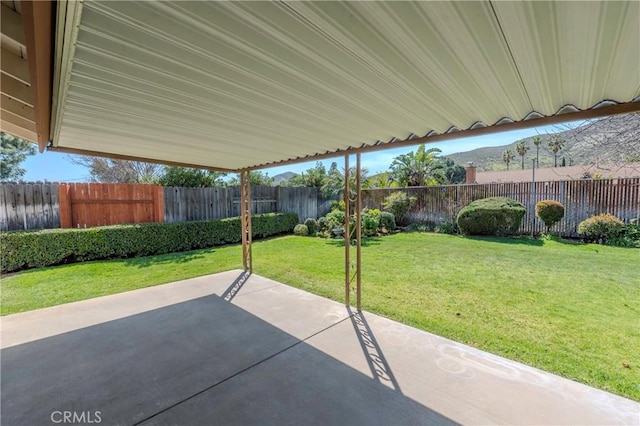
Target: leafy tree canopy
{"type": "Point", "coordinates": [13, 152]}
{"type": "Point", "coordinates": [256, 178]}
{"type": "Point", "coordinates": [314, 177]}
{"type": "Point", "coordinates": [193, 178]}
{"type": "Point", "coordinates": [109, 170]}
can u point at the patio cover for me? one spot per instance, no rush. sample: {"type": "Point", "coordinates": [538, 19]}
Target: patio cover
{"type": "Point", "coordinates": [244, 85]}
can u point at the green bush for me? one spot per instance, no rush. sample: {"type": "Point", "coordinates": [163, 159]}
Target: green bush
{"type": "Point", "coordinates": [498, 216]}
{"type": "Point", "coordinates": [387, 221]}
{"type": "Point", "coordinates": [399, 204]}
{"type": "Point", "coordinates": [322, 224]}
{"type": "Point", "coordinates": [335, 219]}
{"type": "Point", "coordinates": [34, 249]}
{"type": "Point", "coordinates": [445, 228]}
{"type": "Point", "coordinates": [418, 227]}
{"type": "Point", "coordinates": [370, 222]}
{"type": "Point", "coordinates": [601, 228]}
{"type": "Point", "coordinates": [629, 237]}
{"type": "Point", "coordinates": [550, 212]}
{"type": "Point", "coordinates": [312, 225]}
{"type": "Point", "coordinates": [301, 230]}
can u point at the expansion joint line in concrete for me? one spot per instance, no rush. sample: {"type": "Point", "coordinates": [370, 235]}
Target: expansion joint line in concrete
{"type": "Point", "coordinates": [164, 410]}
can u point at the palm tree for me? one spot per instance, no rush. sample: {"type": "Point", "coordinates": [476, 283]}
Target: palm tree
{"type": "Point", "coordinates": [556, 143]}
{"type": "Point", "coordinates": [508, 156]}
{"type": "Point", "coordinates": [537, 140]}
{"type": "Point", "coordinates": [416, 168]}
{"type": "Point", "coordinates": [521, 148]}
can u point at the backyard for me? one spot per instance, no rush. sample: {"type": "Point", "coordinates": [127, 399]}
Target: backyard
{"type": "Point", "coordinates": [571, 309]}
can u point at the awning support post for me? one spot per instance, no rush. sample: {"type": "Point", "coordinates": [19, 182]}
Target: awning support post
{"type": "Point", "coordinates": [358, 231]}
{"type": "Point", "coordinates": [245, 215]}
{"type": "Point", "coordinates": [348, 267]}
{"type": "Point", "coordinates": [347, 233]}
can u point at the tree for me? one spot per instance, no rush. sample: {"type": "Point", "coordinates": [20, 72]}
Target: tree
{"type": "Point", "coordinates": [109, 170]}
{"type": "Point", "coordinates": [13, 152]}
{"type": "Point", "coordinates": [314, 177]}
{"type": "Point", "coordinates": [382, 180]}
{"type": "Point", "coordinates": [555, 145]}
{"type": "Point", "coordinates": [416, 168]}
{"type": "Point", "coordinates": [521, 148]}
{"type": "Point", "coordinates": [334, 185]}
{"type": "Point", "coordinates": [537, 140]}
{"type": "Point", "coordinates": [256, 178]}
{"type": "Point", "coordinates": [508, 156]}
{"type": "Point", "coordinates": [193, 178]}
{"type": "Point", "coordinates": [449, 172]}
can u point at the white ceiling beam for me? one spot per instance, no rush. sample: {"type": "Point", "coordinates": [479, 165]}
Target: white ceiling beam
{"type": "Point", "coordinates": [14, 66]}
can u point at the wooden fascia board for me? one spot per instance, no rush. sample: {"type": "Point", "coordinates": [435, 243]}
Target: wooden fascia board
{"type": "Point", "coordinates": [38, 18]}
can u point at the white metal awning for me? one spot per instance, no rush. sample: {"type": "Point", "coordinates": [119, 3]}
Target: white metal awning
{"type": "Point", "coordinates": [237, 85]}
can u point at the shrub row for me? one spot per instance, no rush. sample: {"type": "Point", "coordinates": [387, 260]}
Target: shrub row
{"type": "Point", "coordinates": [34, 249]}
{"type": "Point", "coordinates": [500, 216]}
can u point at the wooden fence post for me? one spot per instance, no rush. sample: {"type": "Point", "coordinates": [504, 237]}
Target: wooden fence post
{"type": "Point", "coordinates": [158, 203]}
{"type": "Point", "coordinates": [64, 201]}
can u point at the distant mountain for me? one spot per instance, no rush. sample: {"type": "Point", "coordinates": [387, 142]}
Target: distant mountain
{"type": "Point", "coordinates": [281, 177]}
{"type": "Point", "coordinates": [608, 140]}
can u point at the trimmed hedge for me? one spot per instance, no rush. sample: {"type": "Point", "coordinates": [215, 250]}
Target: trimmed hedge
{"type": "Point", "coordinates": [498, 216]}
{"type": "Point", "coordinates": [35, 249]}
{"type": "Point", "coordinates": [601, 228]}
{"type": "Point", "coordinates": [550, 212]}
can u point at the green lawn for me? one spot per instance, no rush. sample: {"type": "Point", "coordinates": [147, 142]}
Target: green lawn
{"type": "Point", "coordinates": [570, 309]}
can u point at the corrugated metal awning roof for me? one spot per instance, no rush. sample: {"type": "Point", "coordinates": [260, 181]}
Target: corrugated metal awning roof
{"type": "Point", "coordinates": [235, 85]}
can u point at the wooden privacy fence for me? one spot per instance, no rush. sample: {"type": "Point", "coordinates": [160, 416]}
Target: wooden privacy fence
{"type": "Point", "coordinates": [187, 204]}
{"type": "Point", "coordinates": [99, 204]}
{"type": "Point", "coordinates": [581, 198]}
{"type": "Point", "coordinates": [29, 206]}
{"type": "Point", "coordinates": [38, 206]}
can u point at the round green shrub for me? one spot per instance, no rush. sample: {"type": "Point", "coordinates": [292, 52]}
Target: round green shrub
{"type": "Point", "coordinates": [498, 216]}
{"type": "Point", "coordinates": [370, 222]}
{"type": "Point", "coordinates": [335, 219]}
{"type": "Point", "coordinates": [399, 204]}
{"type": "Point", "coordinates": [312, 225]}
{"type": "Point", "coordinates": [550, 212]}
{"type": "Point", "coordinates": [387, 221]}
{"type": "Point", "coordinates": [301, 230]}
{"type": "Point", "coordinates": [322, 224]}
{"type": "Point", "coordinates": [601, 228]}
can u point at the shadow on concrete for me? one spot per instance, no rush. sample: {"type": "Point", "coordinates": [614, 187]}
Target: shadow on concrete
{"type": "Point", "coordinates": [236, 286]}
{"type": "Point", "coordinates": [197, 362]}
{"type": "Point", "coordinates": [378, 364]}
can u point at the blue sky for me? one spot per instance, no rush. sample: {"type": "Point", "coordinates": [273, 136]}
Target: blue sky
{"type": "Point", "coordinates": [58, 167]}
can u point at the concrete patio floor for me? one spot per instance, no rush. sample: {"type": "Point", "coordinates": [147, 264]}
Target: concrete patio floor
{"type": "Point", "coordinates": [223, 350]}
